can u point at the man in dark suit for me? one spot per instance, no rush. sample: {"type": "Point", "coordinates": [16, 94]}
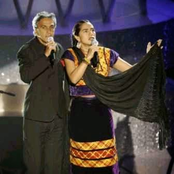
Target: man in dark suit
{"type": "Point", "coordinates": [45, 107]}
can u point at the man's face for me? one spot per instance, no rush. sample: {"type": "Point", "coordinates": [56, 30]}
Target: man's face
{"type": "Point", "coordinates": [45, 29]}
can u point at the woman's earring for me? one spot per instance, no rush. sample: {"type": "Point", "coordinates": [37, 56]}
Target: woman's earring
{"type": "Point", "coordinates": [78, 45]}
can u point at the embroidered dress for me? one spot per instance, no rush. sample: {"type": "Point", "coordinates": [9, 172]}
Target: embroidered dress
{"type": "Point", "coordinates": [92, 140]}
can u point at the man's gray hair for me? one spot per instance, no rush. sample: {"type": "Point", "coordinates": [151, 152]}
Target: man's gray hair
{"type": "Point", "coordinates": [42, 15]}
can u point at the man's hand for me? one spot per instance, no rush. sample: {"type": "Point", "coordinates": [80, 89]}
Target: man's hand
{"type": "Point", "coordinates": [51, 45]}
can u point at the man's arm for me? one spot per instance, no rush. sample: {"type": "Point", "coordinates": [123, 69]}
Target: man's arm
{"type": "Point", "coordinates": [31, 64]}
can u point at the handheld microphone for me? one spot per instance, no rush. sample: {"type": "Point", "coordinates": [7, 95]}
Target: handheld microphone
{"type": "Point", "coordinates": [50, 39]}
{"type": "Point", "coordinates": [7, 93]}
{"type": "Point", "coordinates": [52, 55]}
{"type": "Point", "coordinates": [94, 42]}
{"type": "Point", "coordinates": [94, 60]}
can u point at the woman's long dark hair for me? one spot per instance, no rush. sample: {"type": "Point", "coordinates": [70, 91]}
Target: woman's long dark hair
{"type": "Point", "coordinates": [75, 31]}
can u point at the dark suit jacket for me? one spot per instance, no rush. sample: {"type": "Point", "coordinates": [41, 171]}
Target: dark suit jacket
{"type": "Point", "coordinates": [45, 97]}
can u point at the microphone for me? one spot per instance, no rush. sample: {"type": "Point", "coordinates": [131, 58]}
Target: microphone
{"type": "Point", "coordinates": [94, 60]}
{"type": "Point", "coordinates": [94, 42]}
{"type": "Point", "coordinates": [50, 39]}
{"type": "Point", "coordinates": [52, 55]}
{"type": "Point", "coordinates": [7, 93]}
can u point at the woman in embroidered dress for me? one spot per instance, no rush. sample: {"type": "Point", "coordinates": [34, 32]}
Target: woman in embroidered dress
{"type": "Point", "coordinates": [92, 140]}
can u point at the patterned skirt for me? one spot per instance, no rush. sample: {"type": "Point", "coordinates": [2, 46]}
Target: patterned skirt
{"type": "Point", "coordinates": [92, 140]}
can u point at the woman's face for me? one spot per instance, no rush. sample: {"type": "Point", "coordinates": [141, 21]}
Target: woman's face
{"type": "Point", "coordinates": [87, 34]}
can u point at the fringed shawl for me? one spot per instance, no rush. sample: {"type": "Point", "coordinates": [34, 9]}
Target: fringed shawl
{"type": "Point", "coordinates": [137, 92]}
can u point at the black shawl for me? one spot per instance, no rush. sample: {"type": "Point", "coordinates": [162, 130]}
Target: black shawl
{"type": "Point", "coordinates": [137, 92]}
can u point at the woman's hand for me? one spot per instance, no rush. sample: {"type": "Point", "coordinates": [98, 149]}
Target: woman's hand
{"type": "Point", "coordinates": [149, 45]}
{"type": "Point", "coordinates": [92, 49]}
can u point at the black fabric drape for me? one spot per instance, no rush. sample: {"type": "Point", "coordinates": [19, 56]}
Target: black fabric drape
{"type": "Point", "coordinates": [137, 92]}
